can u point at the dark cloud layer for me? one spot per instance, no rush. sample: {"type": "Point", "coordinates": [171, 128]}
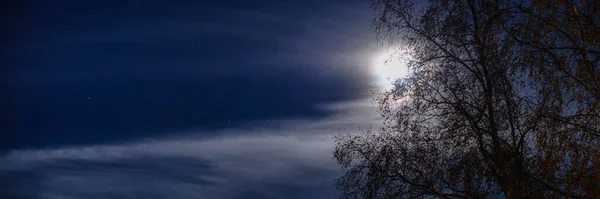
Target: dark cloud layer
{"type": "Point", "coordinates": [155, 178]}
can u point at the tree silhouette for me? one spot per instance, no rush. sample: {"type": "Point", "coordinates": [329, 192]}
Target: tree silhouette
{"type": "Point", "coordinates": [502, 102]}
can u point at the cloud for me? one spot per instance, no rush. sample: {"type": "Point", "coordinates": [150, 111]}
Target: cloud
{"type": "Point", "coordinates": [329, 37]}
{"type": "Point", "coordinates": [264, 161]}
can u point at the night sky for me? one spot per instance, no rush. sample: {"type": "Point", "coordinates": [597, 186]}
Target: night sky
{"type": "Point", "coordinates": [180, 99]}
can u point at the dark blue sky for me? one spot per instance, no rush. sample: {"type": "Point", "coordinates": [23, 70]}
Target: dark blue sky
{"type": "Point", "coordinates": [97, 73]}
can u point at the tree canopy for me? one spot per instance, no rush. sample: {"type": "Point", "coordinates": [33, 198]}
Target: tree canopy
{"type": "Point", "coordinates": [502, 101]}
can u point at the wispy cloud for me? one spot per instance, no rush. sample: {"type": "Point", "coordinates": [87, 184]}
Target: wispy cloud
{"type": "Point", "coordinates": [259, 162]}
{"type": "Point", "coordinates": [263, 159]}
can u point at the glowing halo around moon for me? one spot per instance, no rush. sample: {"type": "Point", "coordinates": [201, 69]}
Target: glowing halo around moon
{"type": "Point", "coordinates": [387, 66]}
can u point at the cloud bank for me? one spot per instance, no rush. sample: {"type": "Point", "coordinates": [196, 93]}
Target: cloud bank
{"type": "Point", "coordinates": [272, 159]}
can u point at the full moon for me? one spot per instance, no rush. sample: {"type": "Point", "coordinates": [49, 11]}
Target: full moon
{"type": "Point", "coordinates": [388, 66]}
